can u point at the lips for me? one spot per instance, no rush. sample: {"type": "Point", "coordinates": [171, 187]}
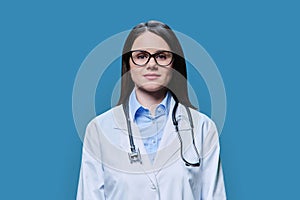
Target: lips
{"type": "Point", "coordinates": [151, 76]}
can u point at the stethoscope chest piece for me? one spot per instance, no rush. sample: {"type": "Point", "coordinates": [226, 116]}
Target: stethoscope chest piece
{"type": "Point", "coordinates": [135, 156]}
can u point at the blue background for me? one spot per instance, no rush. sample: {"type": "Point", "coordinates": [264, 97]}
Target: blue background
{"type": "Point", "coordinates": [255, 45]}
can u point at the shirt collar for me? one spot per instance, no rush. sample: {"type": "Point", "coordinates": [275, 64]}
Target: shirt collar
{"type": "Point", "coordinates": [134, 104]}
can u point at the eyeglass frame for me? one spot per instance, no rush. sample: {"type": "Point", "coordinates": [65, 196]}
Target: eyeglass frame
{"type": "Point", "coordinates": [152, 55]}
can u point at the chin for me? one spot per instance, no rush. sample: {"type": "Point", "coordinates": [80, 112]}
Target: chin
{"type": "Point", "coordinates": [151, 87]}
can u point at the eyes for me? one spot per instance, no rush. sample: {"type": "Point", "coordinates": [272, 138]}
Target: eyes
{"type": "Point", "coordinates": [141, 56]}
{"type": "Point", "coordinates": [157, 56]}
{"type": "Point", "coordinates": [162, 58]}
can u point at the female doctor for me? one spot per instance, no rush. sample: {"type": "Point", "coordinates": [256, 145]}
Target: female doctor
{"type": "Point", "coordinates": [154, 144]}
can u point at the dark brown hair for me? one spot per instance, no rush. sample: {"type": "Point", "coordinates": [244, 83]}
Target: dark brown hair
{"type": "Point", "coordinates": [178, 82]}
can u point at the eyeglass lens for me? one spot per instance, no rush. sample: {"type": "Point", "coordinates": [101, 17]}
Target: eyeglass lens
{"type": "Point", "coordinates": [162, 58]}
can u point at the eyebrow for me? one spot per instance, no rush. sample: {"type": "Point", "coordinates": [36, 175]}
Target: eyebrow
{"type": "Point", "coordinates": [157, 51]}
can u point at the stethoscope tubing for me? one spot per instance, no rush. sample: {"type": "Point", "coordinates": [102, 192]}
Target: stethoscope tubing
{"type": "Point", "coordinates": [134, 156]}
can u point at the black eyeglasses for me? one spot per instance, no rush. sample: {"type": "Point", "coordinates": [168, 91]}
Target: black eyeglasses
{"type": "Point", "coordinates": [141, 58]}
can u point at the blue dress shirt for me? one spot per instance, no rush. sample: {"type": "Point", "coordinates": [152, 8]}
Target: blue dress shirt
{"type": "Point", "coordinates": [151, 127]}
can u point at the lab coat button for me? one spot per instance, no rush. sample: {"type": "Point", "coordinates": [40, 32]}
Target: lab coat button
{"type": "Point", "coordinates": [153, 187]}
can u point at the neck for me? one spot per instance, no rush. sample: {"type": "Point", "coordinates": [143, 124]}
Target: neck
{"type": "Point", "coordinates": [150, 100]}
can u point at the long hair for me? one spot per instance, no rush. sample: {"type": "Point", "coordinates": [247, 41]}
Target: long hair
{"type": "Point", "coordinates": [178, 82]}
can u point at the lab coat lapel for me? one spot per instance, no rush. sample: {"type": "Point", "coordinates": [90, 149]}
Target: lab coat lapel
{"type": "Point", "coordinates": [119, 118]}
{"type": "Point", "coordinates": [121, 124]}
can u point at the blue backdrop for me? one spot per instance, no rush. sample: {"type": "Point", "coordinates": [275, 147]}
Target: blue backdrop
{"type": "Point", "coordinates": [255, 45]}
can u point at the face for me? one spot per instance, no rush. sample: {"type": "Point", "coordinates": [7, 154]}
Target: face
{"type": "Point", "coordinates": [150, 77]}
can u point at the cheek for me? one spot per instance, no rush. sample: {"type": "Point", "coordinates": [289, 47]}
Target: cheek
{"type": "Point", "coordinates": [134, 75]}
{"type": "Point", "coordinates": [169, 75]}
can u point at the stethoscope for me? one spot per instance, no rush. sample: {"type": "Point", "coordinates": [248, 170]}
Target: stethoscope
{"type": "Point", "coordinates": [135, 155]}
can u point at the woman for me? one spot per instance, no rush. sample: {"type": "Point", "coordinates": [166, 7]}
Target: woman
{"type": "Point", "coordinates": [153, 144]}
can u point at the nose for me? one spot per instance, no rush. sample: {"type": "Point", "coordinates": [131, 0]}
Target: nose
{"type": "Point", "coordinates": [152, 64]}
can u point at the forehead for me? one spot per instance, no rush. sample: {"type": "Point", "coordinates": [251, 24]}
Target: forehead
{"type": "Point", "coordinates": [148, 40]}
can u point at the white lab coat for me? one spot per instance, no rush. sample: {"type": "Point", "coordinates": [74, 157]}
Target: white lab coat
{"type": "Point", "coordinates": [107, 174]}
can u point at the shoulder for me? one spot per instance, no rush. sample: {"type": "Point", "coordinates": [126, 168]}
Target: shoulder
{"type": "Point", "coordinates": [108, 117]}
{"type": "Point", "coordinates": [201, 120]}
{"type": "Point", "coordinates": [104, 124]}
